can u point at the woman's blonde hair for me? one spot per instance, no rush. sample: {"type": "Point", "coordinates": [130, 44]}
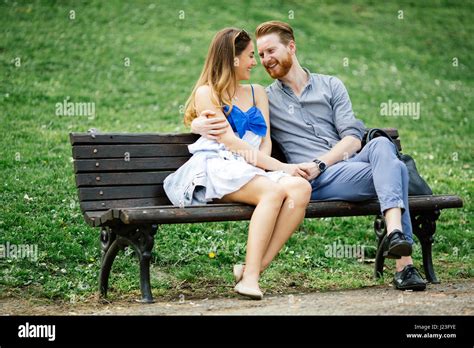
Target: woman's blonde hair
{"type": "Point", "coordinates": [218, 71]}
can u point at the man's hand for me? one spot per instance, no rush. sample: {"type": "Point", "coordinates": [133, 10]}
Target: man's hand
{"type": "Point", "coordinates": [311, 169]}
{"type": "Point", "coordinates": [208, 125]}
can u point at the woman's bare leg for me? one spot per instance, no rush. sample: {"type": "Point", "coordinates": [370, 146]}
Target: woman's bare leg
{"type": "Point", "coordinates": [268, 198]}
{"type": "Point", "coordinates": [298, 194]}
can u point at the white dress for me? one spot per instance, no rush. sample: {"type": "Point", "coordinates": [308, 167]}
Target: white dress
{"type": "Point", "coordinates": [229, 171]}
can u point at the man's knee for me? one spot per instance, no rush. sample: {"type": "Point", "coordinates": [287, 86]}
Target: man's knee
{"type": "Point", "coordinates": [381, 145]}
{"type": "Point", "coordinates": [380, 141]}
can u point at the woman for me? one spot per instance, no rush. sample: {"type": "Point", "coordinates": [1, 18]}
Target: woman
{"type": "Point", "coordinates": [232, 169]}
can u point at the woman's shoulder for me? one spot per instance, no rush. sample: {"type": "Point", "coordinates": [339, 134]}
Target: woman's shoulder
{"type": "Point", "coordinates": [203, 91]}
{"type": "Point", "coordinates": [204, 94]}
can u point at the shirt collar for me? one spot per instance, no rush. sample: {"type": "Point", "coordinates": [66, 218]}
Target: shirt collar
{"type": "Point", "coordinates": [310, 80]}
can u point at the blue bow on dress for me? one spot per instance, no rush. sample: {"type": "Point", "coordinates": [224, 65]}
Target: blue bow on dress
{"type": "Point", "coordinates": [251, 120]}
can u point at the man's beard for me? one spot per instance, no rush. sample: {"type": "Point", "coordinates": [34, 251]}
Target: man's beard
{"type": "Point", "coordinates": [282, 67]}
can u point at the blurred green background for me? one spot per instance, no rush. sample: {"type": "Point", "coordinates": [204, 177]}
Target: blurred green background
{"type": "Point", "coordinates": [54, 50]}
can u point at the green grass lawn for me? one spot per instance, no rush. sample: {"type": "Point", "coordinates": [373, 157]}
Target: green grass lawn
{"type": "Point", "coordinates": [45, 57]}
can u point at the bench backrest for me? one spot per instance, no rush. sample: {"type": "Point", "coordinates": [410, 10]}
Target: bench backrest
{"type": "Point", "coordinates": [127, 170]}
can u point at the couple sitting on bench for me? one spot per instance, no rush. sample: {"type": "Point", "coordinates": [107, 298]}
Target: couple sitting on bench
{"type": "Point", "coordinates": [311, 118]}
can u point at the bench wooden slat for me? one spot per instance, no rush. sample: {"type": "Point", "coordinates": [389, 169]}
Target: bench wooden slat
{"type": "Point", "coordinates": [135, 138]}
{"type": "Point", "coordinates": [398, 144]}
{"type": "Point", "coordinates": [392, 132]}
{"type": "Point", "coordinates": [131, 178]}
{"type": "Point", "coordinates": [278, 153]}
{"type": "Point", "coordinates": [123, 203]}
{"type": "Point", "coordinates": [120, 192]}
{"type": "Point", "coordinates": [235, 212]}
{"type": "Point", "coordinates": [134, 164]}
{"type": "Point", "coordinates": [93, 217]}
{"type": "Point", "coordinates": [129, 150]}
{"type": "Point", "coordinates": [151, 138]}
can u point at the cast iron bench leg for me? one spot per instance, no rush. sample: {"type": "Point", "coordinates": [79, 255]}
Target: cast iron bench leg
{"type": "Point", "coordinates": [424, 227]}
{"type": "Point", "coordinates": [110, 248]}
{"type": "Point", "coordinates": [380, 232]}
{"type": "Point", "coordinates": [141, 239]}
{"type": "Point", "coordinates": [146, 243]}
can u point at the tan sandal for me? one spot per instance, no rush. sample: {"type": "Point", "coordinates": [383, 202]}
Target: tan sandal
{"type": "Point", "coordinates": [243, 290]}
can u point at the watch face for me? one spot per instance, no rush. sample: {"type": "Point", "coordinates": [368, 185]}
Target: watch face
{"type": "Point", "coordinates": [322, 166]}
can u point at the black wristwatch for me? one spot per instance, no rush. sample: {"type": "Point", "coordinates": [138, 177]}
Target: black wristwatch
{"type": "Point", "coordinates": [321, 165]}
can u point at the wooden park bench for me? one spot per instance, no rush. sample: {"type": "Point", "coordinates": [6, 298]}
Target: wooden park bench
{"type": "Point", "coordinates": [120, 182]}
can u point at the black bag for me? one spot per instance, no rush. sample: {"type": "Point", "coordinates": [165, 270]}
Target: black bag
{"type": "Point", "coordinates": [417, 186]}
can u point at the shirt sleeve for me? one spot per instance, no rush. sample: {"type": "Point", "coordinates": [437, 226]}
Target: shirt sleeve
{"type": "Point", "coordinates": [344, 119]}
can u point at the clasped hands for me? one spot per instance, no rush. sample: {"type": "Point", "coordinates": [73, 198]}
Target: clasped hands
{"type": "Point", "coordinates": [307, 170]}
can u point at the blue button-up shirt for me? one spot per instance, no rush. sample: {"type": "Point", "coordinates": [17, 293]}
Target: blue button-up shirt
{"type": "Point", "coordinates": [308, 126]}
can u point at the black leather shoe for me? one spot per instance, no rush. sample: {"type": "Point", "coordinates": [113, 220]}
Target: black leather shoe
{"type": "Point", "coordinates": [409, 279]}
{"type": "Point", "coordinates": [395, 245]}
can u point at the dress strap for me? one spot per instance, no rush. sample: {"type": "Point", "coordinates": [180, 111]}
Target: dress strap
{"type": "Point", "coordinates": [253, 95]}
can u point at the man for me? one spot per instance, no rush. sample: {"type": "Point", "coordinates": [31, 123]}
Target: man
{"type": "Point", "coordinates": [311, 118]}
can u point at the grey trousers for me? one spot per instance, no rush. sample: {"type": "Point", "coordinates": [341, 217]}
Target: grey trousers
{"type": "Point", "coordinates": [375, 172]}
